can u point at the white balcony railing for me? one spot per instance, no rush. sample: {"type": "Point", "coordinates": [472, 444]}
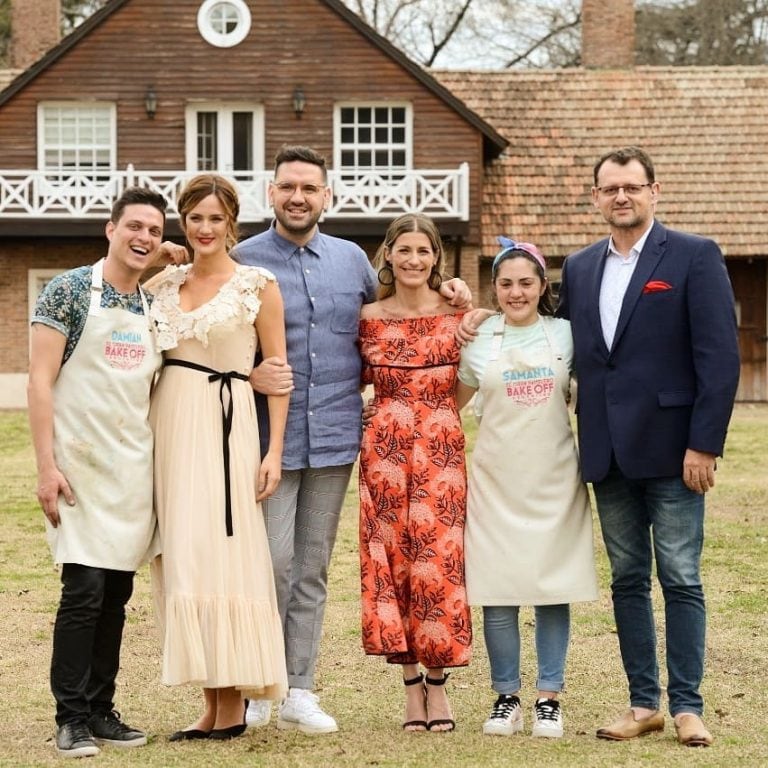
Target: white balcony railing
{"type": "Point", "coordinates": [441, 194]}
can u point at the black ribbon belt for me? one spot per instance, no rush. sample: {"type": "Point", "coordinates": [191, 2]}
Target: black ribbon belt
{"type": "Point", "coordinates": [226, 422]}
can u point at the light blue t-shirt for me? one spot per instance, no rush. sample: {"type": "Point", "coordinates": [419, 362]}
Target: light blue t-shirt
{"type": "Point", "coordinates": [474, 356]}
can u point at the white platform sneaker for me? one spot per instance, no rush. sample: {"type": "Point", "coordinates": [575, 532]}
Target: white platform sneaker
{"type": "Point", "coordinates": [301, 711]}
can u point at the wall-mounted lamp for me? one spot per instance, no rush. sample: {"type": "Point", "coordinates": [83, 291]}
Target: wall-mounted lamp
{"type": "Point", "coordinates": [150, 102]}
{"type": "Point", "coordinates": [299, 101]}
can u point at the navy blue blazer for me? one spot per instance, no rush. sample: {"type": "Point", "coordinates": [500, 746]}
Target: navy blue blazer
{"type": "Point", "coordinates": [669, 381]}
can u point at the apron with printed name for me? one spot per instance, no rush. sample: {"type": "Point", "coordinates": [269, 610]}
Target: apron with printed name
{"type": "Point", "coordinates": [528, 536]}
{"type": "Point", "coordinates": [103, 442]}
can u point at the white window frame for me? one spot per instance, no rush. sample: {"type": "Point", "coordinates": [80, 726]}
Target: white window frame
{"type": "Point", "coordinates": [224, 132]}
{"type": "Point", "coordinates": [224, 39]}
{"type": "Point", "coordinates": [371, 146]}
{"type": "Point", "coordinates": [75, 106]}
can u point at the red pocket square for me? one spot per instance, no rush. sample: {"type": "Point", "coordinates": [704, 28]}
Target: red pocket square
{"type": "Point", "coordinates": [654, 286]}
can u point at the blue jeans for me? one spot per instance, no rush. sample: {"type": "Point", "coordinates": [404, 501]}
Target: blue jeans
{"type": "Point", "coordinates": [502, 640]}
{"type": "Point", "coordinates": [641, 519]}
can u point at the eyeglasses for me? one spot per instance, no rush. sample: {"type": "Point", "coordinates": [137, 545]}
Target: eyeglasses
{"type": "Point", "coordinates": [307, 190]}
{"type": "Point", "coordinates": [629, 189]}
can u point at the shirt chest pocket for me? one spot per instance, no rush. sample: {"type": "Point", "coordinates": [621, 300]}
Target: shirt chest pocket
{"type": "Point", "coordinates": [346, 312]}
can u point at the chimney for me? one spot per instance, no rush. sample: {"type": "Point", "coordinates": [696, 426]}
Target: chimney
{"type": "Point", "coordinates": [608, 34]}
{"type": "Point", "coordinates": [35, 28]}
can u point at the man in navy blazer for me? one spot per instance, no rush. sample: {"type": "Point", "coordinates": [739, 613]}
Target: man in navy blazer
{"type": "Point", "coordinates": [657, 364]}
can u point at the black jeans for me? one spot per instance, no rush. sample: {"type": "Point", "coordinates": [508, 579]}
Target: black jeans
{"type": "Point", "coordinates": [86, 640]}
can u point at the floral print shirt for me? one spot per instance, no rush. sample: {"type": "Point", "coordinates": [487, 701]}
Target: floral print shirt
{"type": "Point", "coordinates": [63, 304]}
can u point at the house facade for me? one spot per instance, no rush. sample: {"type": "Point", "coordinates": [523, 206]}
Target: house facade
{"type": "Point", "coordinates": [150, 93]}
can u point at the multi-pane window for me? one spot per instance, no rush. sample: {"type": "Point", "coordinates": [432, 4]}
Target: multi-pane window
{"type": "Point", "coordinates": [373, 137]}
{"type": "Point", "coordinates": [76, 137]}
{"type": "Point", "coordinates": [225, 137]}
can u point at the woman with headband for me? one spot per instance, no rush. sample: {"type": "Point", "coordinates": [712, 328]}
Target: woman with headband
{"type": "Point", "coordinates": [528, 537]}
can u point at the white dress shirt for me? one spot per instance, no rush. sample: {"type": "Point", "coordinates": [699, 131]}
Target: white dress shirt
{"type": "Point", "coordinates": [616, 276]}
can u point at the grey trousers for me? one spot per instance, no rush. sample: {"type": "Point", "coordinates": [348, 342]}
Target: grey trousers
{"type": "Point", "coordinates": [302, 518]}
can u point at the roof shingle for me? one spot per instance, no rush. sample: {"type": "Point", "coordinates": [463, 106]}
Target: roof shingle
{"type": "Point", "coordinates": [706, 129]}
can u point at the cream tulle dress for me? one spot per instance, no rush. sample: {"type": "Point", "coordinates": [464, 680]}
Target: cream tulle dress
{"type": "Point", "coordinates": [214, 592]}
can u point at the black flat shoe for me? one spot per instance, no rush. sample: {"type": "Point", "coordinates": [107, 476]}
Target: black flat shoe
{"type": "Point", "coordinates": [192, 734]}
{"type": "Point", "coordinates": [223, 734]}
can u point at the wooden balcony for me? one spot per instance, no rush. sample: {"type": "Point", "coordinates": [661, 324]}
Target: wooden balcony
{"type": "Point", "coordinates": [366, 195]}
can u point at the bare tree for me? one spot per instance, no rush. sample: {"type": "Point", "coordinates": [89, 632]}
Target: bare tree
{"type": "Point", "coordinates": [703, 32]}
{"type": "Point", "coordinates": [421, 28]}
{"type": "Point", "coordinates": [74, 12]}
{"type": "Point", "coordinates": [498, 34]}
{"type": "Point", "coordinates": [478, 33]}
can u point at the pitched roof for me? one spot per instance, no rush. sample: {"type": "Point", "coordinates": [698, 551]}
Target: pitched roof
{"type": "Point", "coordinates": [706, 129]}
{"type": "Point", "coordinates": [494, 142]}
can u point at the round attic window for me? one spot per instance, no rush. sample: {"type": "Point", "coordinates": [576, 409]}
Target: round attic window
{"type": "Point", "coordinates": [224, 23]}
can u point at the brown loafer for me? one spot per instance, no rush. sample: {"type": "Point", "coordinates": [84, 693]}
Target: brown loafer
{"type": "Point", "coordinates": [691, 731]}
{"type": "Point", "coordinates": [629, 727]}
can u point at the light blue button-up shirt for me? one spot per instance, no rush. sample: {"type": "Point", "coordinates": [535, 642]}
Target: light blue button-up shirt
{"type": "Point", "coordinates": [324, 284]}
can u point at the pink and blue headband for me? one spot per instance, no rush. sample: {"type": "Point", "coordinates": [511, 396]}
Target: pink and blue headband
{"type": "Point", "coordinates": [508, 245]}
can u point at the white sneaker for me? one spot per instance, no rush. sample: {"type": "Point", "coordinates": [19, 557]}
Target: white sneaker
{"type": "Point", "coordinates": [258, 713]}
{"type": "Point", "coordinates": [302, 710]}
{"type": "Point", "coordinates": [547, 719]}
{"type": "Point", "coordinates": [506, 717]}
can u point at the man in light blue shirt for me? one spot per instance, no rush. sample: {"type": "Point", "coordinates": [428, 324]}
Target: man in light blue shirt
{"type": "Point", "coordinates": [324, 282]}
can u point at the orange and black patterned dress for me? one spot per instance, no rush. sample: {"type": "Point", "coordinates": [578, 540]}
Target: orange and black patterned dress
{"type": "Point", "coordinates": [413, 495]}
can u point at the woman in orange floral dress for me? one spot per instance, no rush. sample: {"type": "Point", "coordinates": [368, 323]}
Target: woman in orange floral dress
{"type": "Point", "coordinates": [413, 476]}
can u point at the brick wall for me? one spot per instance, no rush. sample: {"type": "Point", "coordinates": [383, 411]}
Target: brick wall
{"type": "Point", "coordinates": [17, 257]}
{"type": "Point", "coordinates": [608, 34]}
{"type": "Point", "coordinates": [35, 27]}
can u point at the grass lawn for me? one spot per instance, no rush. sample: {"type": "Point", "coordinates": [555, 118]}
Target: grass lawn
{"type": "Point", "coordinates": [365, 695]}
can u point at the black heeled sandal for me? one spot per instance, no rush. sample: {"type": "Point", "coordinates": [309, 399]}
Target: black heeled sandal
{"type": "Point", "coordinates": [441, 721]}
{"type": "Point", "coordinates": [416, 726]}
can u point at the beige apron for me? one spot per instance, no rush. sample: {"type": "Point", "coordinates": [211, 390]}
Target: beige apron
{"type": "Point", "coordinates": [103, 442]}
{"type": "Point", "coordinates": [528, 536]}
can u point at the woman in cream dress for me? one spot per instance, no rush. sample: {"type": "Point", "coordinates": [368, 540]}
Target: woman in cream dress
{"type": "Point", "coordinates": [214, 587]}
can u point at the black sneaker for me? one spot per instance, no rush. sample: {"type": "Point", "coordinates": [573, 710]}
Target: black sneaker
{"type": "Point", "coordinates": [75, 740]}
{"type": "Point", "coordinates": [110, 729]}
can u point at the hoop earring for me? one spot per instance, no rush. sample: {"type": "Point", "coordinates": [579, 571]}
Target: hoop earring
{"type": "Point", "coordinates": [435, 280]}
{"type": "Point", "coordinates": [385, 271]}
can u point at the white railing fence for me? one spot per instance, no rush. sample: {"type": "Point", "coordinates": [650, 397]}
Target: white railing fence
{"type": "Point", "coordinates": [441, 194]}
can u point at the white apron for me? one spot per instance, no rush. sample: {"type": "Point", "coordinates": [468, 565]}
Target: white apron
{"type": "Point", "coordinates": [103, 442]}
{"type": "Point", "coordinates": [528, 536]}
